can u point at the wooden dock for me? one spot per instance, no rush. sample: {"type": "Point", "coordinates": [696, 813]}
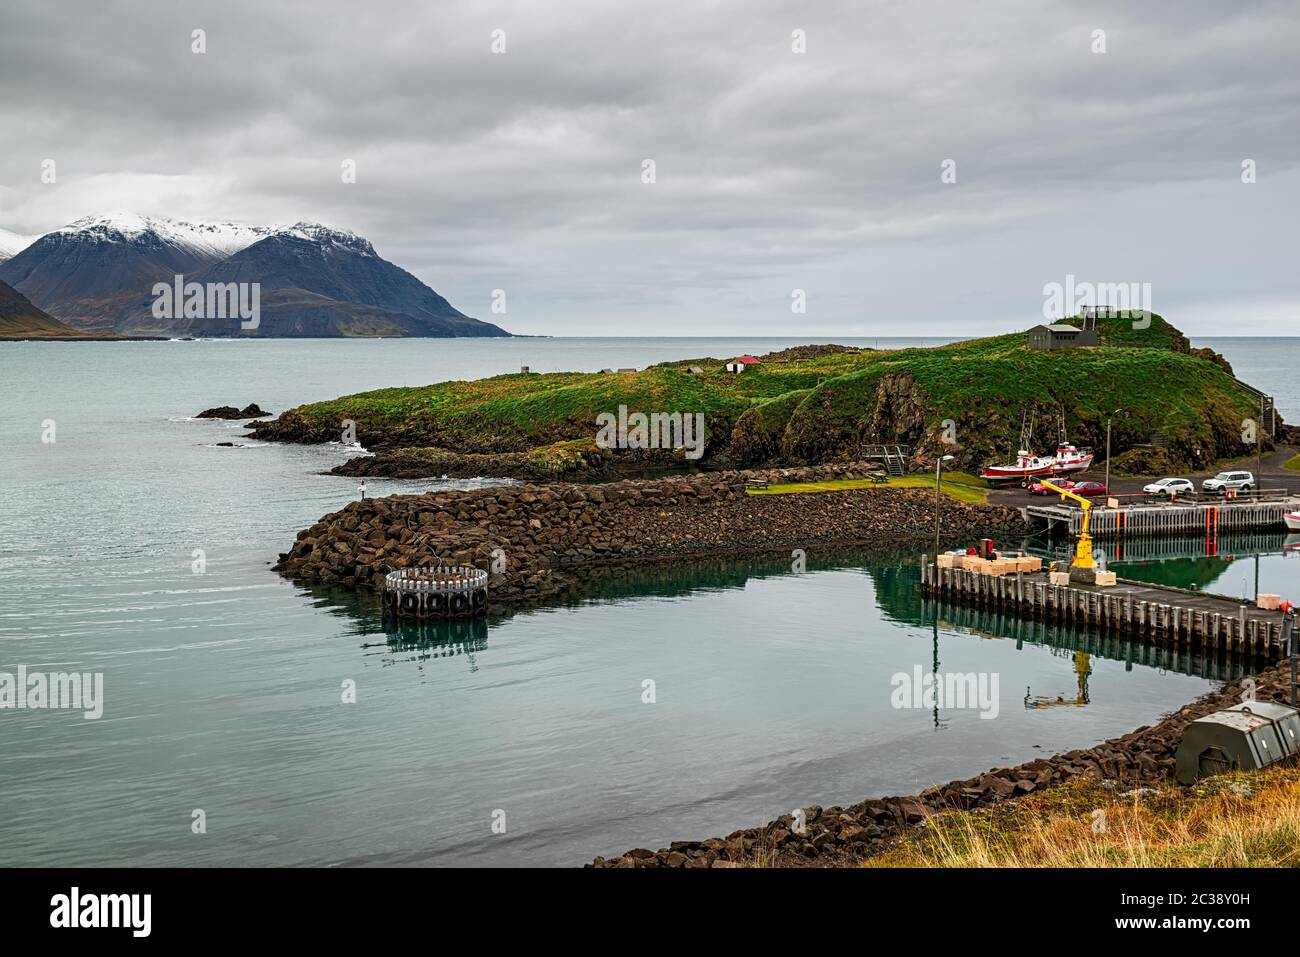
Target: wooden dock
{"type": "Point", "coordinates": [1188, 619]}
{"type": "Point", "coordinates": [1159, 518]}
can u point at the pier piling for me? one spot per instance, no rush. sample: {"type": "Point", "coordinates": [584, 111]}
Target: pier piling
{"type": "Point", "coordinates": [1194, 620]}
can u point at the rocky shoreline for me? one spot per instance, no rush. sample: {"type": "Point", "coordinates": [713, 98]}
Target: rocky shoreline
{"type": "Point", "coordinates": [577, 461]}
{"type": "Point", "coordinates": [539, 542]}
{"type": "Point", "coordinates": [843, 836]}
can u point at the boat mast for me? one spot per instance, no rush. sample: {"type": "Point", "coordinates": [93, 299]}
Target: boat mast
{"type": "Point", "coordinates": [1026, 430]}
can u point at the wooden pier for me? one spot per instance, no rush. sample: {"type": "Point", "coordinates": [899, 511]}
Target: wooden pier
{"type": "Point", "coordinates": [1178, 518]}
{"type": "Point", "coordinates": [1188, 619]}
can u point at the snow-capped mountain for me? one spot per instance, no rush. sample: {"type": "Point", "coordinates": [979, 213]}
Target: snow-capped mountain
{"type": "Point", "coordinates": [319, 281]}
{"type": "Point", "coordinates": [327, 236]}
{"type": "Point", "coordinates": [211, 241]}
{"type": "Point", "coordinates": [98, 274]}
{"type": "Point", "coordinates": [11, 244]}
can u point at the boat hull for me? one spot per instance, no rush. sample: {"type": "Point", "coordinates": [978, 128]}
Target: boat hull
{"type": "Point", "coordinates": [1005, 474]}
{"type": "Point", "coordinates": [1292, 520]}
{"type": "Point", "coordinates": [1066, 461]}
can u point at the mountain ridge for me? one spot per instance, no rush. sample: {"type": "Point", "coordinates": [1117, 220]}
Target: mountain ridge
{"type": "Point", "coordinates": [19, 319]}
{"type": "Point", "coordinates": [11, 244]}
{"type": "Point", "coordinates": [98, 274]}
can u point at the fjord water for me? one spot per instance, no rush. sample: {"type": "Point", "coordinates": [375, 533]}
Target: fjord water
{"type": "Point", "coordinates": [223, 686]}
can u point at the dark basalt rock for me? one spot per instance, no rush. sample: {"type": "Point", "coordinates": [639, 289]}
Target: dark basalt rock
{"type": "Point", "coordinates": [251, 411]}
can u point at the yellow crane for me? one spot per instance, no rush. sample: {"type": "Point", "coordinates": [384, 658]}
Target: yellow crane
{"type": "Point", "coordinates": [1083, 547]}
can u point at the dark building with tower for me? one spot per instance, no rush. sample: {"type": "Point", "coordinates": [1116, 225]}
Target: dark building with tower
{"type": "Point", "coordinates": [1061, 335]}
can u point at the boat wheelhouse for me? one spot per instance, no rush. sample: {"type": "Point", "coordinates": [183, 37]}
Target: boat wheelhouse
{"type": "Point", "coordinates": [1070, 459]}
{"type": "Point", "coordinates": [1026, 465]}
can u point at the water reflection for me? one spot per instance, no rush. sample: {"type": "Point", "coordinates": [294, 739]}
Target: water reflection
{"type": "Point", "coordinates": [1068, 638]}
{"type": "Point", "coordinates": [1225, 547]}
{"type": "Point", "coordinates": [426, 640]}
{"type": "Point", "coordinates": [894, 578]}
{"type": "Point", "coordinates": [1082, 672]}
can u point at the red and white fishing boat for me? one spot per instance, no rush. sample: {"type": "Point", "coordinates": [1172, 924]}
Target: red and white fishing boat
{"type": "Point", "coordinates": [1026, 466]}
{"type": "Point", "coordinates": [1070, 459]}
{"type": "Point", "coordinates": [1067, 460]}
{"type": "Point", "coordinates": [1292, 520]}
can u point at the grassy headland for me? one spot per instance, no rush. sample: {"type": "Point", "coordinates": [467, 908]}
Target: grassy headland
{"type": "Point", "coordinates": [821, 404]}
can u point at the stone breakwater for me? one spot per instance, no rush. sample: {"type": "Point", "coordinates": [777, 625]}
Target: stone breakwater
{"type": "Point", "coordinates": [839, 836]}
{"type": "Point", "coordinates": [539, 541]}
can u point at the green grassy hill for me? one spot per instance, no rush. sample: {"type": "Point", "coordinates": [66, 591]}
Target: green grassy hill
{"type": "Point", "coordinates": [819, 404]}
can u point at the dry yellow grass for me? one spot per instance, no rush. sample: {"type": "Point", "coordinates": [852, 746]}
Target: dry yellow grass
{"type": "Point", "coordinates": [1237, 820]}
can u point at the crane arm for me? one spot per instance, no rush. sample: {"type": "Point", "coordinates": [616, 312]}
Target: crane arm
{"type": "Point", "coordinates": [1066, 493]}
{"type": "Point", "coordinates": [1083, 547]}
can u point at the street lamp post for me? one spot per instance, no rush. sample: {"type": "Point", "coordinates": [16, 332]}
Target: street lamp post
{"type": "Point", "coordinates": [938, 469]}
{"type": "Point", "coordinates": [1108, 419]}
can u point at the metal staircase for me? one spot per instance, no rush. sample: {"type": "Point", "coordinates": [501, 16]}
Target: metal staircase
{"type": "Point", "coordinates": [895, 457]}
{"type": "Point", "coordinates": [1267, 422]}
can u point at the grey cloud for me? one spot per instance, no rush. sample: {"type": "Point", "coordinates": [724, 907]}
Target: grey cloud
{"type": "Point", "coordinates": [775, 170]}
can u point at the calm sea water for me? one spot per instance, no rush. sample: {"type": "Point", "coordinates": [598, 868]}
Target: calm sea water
{"type": "Point", "coordinates": [223, 687]}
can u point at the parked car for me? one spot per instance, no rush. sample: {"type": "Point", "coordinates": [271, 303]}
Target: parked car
{"type": "Point", "coordinates": [1241, 481]}
{"type": "Point", "coordinates": [1038, 488]}
{"type": "Point", "coordinates": [1089, 489]}
{"type": "Point", "coordinates": [1170, 486]}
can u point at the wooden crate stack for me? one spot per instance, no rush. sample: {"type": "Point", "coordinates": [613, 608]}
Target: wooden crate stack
{"type": "Point", "coordinates": [1000, 565]}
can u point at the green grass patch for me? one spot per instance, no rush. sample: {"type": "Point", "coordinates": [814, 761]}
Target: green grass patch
{"type": "Point", "coordinates": [1293, 463]}
{"type": "Point", "coordinates": [956, 485]}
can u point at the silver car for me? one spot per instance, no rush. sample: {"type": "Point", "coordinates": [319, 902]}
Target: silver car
{"type": "Point", "coordinates": [1241, 481]}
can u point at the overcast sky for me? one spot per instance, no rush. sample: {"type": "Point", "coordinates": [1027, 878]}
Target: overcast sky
{"type": "Point", "coordinates": [775, 170]}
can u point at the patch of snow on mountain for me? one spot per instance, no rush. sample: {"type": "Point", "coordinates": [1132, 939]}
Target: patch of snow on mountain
{"type": "Point", "coordinates": [210, 241]}
{"type": "Point", "coordinates": [11, 244]}
{"type": "Point", "coordinates": [213, 241]}
{"type": "Point", "coordinates": [329, 236]}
